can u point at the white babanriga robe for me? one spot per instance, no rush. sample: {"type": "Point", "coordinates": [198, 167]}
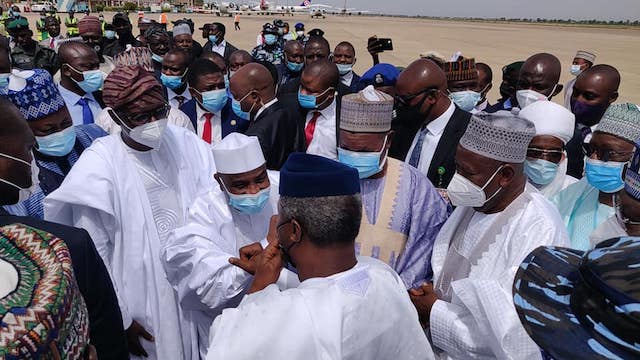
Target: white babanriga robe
{"type": "Point", "coordinates": [196, 255]}
{"type": "Point", "coordinates": [361, 313]}
{"type": "Point", "coordinates": [105, 194]}
{"type": "Point", "coordinates": [475, 259]}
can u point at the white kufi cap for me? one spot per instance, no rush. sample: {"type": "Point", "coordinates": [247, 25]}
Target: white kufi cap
{"type": "Point", "coordinates": [237, 154]}
{"type": "Point", "coordinates": [550, 119]}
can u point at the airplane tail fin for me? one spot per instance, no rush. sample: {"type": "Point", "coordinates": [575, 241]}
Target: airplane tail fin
{"type": "Point", "coordinates": [306, 3]}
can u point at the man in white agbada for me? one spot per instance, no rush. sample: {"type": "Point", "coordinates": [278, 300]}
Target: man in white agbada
{"type": "Point", "coordinates": [346, 307]}
{"type": "Point", "coordinates": [589, 202]}
{"type": "Point", "coordinates": [546, 163]}
{"type": "Point", "coordinates": [626, 204]}
{"type": "Point", "coordinates": [219, 226]}
{"type": "Point", "coordinates": [499, 219]}
{"type": "Point", "coordinates": [129, 191]}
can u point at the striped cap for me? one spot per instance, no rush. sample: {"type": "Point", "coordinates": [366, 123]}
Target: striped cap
{"type": "Point", "coordinates": [582, 54]}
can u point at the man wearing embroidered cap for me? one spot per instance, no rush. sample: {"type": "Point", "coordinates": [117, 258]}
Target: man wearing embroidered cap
{"type": "Point", "coordinates": [577, 304]}
{"type": "Point", "coordinates": [60, 143]}
{"type": "Point", "coordinates": [462, 80]}
{"type": "Point", "coordinates": [396, 235]}
{"type": "Point", "coordinates": [230, 220]}
{"type": "Point", "coordinates": [183, 39]}
{"type": "Point", "coordinates": [626, 204]}
{"type": "Point", "coordinates": [323, 317]}
{"type": "Point", "coordinates": [129, 190]}
{"type": "Point", "coordinates": [546, 163]}
{"type": "Point", "coordinates": [589, 202]}
{"type": "Point", "coordinates": [581, 62]}
{"type": "Point", "coordinates": [499, 219]}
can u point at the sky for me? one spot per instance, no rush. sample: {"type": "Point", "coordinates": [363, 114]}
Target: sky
{"type": "Point", "coordinates": [564, 9]}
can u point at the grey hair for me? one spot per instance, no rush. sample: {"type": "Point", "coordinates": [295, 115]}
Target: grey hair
{"type": "Point", "coordinates": [329, 220]}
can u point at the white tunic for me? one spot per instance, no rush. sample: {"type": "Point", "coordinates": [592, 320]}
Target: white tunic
{"type": "Point", "coordinates": [196, 255]}
{"type": "Point", "coordinates": [123, 202]}
{"type": "Point", "coordinates": [361, 313]}
{"type": "Point", "coordinates": [475, 258]}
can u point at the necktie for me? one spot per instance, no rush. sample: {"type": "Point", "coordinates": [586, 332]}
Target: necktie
{"type": "Point", "coordinates": [417, 150]}
{"type": "Point", "coordinates": [206, 132]}
{"type": "Point", "coordinates": [180, 99]}
{"type": "Point", "coordinates": [311, 127]}
{"type": "Point", "coordinates": [87, 115]}
{"type": "Point", "coordinates": [52, 45]}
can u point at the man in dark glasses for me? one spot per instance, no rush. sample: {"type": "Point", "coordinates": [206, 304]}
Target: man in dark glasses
{"type": "Point", "coordinates": [422, 86]}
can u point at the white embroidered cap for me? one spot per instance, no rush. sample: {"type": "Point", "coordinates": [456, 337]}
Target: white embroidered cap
{"type": "Point", "coordinates": [237, 154]}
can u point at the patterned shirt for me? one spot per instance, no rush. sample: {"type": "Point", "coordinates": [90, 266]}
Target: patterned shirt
{"type": "Point", "coordinates": [272, 54]}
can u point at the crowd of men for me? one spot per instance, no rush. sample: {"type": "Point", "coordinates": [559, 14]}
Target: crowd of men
{"type": "Point", "coordinates": [167, 199]}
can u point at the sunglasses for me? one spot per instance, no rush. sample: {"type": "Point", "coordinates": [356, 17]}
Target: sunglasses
{"type": "Point", "coordinates": [159, 113]}
{"type": "Point", "coordinates": [605, 155]}
{"type": "Point", "coordinates": [551, 155]}
{"type": "Point", "coordinates": [406, 99]}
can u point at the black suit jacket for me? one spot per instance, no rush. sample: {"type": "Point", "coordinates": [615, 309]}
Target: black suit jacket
{"type": "Point", "coordinates": [228, 49]}
{"type": "Point", "coordinates": [105, 321]}
{"type": "Point", "coordinates": [292, 86]}
{"type": "Point", "coordinates": [278, 130]}
{"type": "Point", "coordinates": [405, 126]}
{"type": "Point", "coordinates": [230, 121]}
{"type": "Point", "coordinates": [445, 155]}
{"type": "Point", "coordinates": [290, 101]}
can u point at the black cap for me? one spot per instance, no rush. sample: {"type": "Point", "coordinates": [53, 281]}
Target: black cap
{"type": "Point", "coordinates": [269, 29]}
{"type": "Point", "coordinates": [120, 18]}
{"type": "Point", "coordinates": [316, 32]}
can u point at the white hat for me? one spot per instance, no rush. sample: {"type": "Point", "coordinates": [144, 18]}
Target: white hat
{"type": "Point", "coordinates": [550, 119]}
{"type": "Point", "coordinates": [237, 154]}
{"type": "Point", "coordinates": [181, 29]}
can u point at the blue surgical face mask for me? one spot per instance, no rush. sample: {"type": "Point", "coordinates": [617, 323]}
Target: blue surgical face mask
{"type": "Point", "coordinates": [92, 80]}
{"type": "Point", "coordinates": [213, 38]}
{"type": "Point", "coordinates": [110, 34]}
{"type": "Point", "coordinates": [171, 81]}
{"type": "Point", "coordinates": [575, 70]}
{"type": "Point", "coordinates": [226, 81]}
{"type": "Point", "coordinates": [57, 144]}
{"type": "Point", "coordinates": [309, 101]}
{"type": "Point", "coordinates": [157, 58]}
{"type": "Point", "coordinates": [344, 69]}
{"type": "Point", "coordinates": [540, 171]}
{"type": "Point", "coordinates": [605, 176]}
{"type": "Point", "coordinates": [214, 100]}
{"type": "Point", "coordinates": [294, 67]}
{"type": "Point", "coordinates": [4, 79]}
{"type": "Point", "coordinates": [367, 163]}
{"type": "Point", "coordinates": [249, 203]}
{"type": "Point", "coordinates": [237, 109]}
{"type": "Point", "coordinates": [466, 100]}
{"type": "Point", "coordinates": [270, 39]}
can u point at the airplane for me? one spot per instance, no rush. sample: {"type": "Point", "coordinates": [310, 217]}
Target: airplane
{"type": "Point", "coordinates": [304, 7]}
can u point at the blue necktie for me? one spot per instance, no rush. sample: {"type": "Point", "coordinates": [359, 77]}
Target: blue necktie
{"type": "Point", "coordinates": [87, 115]}
{"type": "Point", "coordinates": [417, 150]}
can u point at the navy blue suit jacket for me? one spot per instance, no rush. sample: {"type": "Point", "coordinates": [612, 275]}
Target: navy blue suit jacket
{"type": "Point", "coordinates": [230, 121]}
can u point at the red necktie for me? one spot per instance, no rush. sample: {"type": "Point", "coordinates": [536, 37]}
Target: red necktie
{"type": "Point", "coordinates": [52, 44]}
{"type": "Point", "coordinates": [206, 133]}
{"type": "Point", "coordinates": [311, 127]}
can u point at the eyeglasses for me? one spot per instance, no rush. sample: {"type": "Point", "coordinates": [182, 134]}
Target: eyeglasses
{"type": "Point", "coordinates": [159, 113]}
{"type": "Point", "coordinates": [551, 155]}
{"type": "Point", "coordinates": [404, 100]}
{"type": "Point", "coordinates": [605, 155]}
{"type": "Point", "coordinates": [618, 210]}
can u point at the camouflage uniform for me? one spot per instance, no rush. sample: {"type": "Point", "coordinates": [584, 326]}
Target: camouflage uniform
{"type": "Point", "coordinates": [42, 58]}
{"type": "Point", "coordinates": [273, 54]}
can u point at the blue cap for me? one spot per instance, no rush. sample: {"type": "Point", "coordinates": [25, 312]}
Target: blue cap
{"type": "Point", "coordinates": [305, 175]}
{"type": "Point", "coordinates": [574, 302]}
{"type": "Point", "coordinates": [34, 93]}
{"type": "Point", "coordinates": [380, 75]}
{"type": "Point", "coordinates": [299, 26]}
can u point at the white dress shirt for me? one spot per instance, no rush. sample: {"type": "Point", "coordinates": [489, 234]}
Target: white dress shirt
{"type": "Point", "coordinates": [324, 135]}
{"type": "Point", "coordinates": [219, 48]}
{"type": "Point", "coordinates": [216, 124]}
{"type": "Point", "coordinates": [75, 109]}
{"type": "Point", "coordinates": [347, 78]}
{"type": "Point", "coordinates": [431, 139]}
{"type": "Point", "coordinates": [172, 97]}
{"type": "Point", "coordinates": [480, 107]}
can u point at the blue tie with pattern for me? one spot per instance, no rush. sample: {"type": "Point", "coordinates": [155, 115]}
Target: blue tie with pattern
{"type": "Point", "coordinates": [417, 150]}
{"type": "Point", "coordinates": [87, 115]}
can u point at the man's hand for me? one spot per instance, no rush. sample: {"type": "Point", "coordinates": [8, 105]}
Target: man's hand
{"type": "Point", "coordinates": [249, 258]}
{"type": "Point", "coordinates": [374, 49]}
{"type": "Point", "coordinates": [272, 236]}
{"type": "Point", "coordinates": [134, 332]}
{"type": "Point", "coordinates": [268, 269]}
{"type": "Point", "coordinates": [423, 299]}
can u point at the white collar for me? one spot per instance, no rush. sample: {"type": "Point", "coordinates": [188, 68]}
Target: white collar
{"type": "Point", "coordinates": [347, 78]}
{"type": "Point", "coordinates": [330, 111]}
{"type": "Point", "coordinates": [275, 99]}
{"type": "Point", "coordinates": [221, 46]}
{"type": "Point", "coordinates": [437, 126]}
{"type": "Point", "coordinates": [172, 94]}
{"type": "Point", "coordinates": [200, 112]}
{"type": "Point", "coordinates": [73, 97]}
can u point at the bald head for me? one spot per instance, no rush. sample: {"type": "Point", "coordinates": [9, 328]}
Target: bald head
{"type": "Point", "coordinates": [238, 59]}
{"type": "Point", "coordinates": [324, 72]}
{"type": "Point", "coordinates": [72, 50]}
{"type": "Point", "coordinates": [316, 48]}
{"type": "Point", "coordinates": [594, 90]}
{"type": "Point", "coordinates": [76, 57]}
{"type": "Point", "coordinates": [253, 85]}
{"type": "Point", "coordinates": [541, 73]}
{"type": "Point", "coordinates": [293, 45]}
{"type": "Point", "coordinates": [423, 84]}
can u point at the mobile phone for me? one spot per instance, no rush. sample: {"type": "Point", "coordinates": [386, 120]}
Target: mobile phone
{"type": "Point", "coordinates": [385, 44]}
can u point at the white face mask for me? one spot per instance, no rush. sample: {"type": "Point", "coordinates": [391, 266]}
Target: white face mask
{"type": "Point", "coordinates": [25, 193]}
{"type": "Point", "coordinates": [463, 192]}
{"type": "Point", "coordinates": [528, 97]}
{"type": "Point", "coordinates": [149, 134]}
